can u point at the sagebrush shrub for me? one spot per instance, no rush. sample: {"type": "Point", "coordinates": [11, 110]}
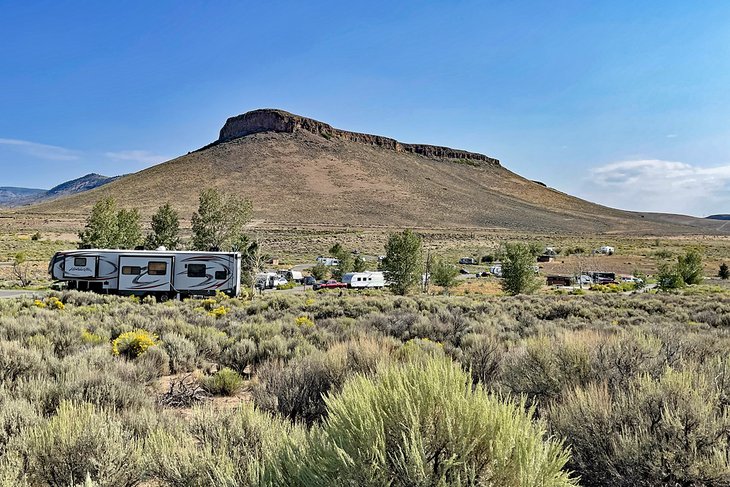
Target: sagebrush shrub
{"type": "Point", "coordinates": [228, 449]}
{"type": "Point", "coordinates": [79, 440]}
{"type": "Point", "coordinates": [670, 431]}
{"type": "Point", "coordinates": [16, 362]}
{"type": "Point", "coordinates": [182, 352]}
{"type": "Point", "coordinates": [425, 424]}
{"type": "Point", "coordinates": [296, 390]}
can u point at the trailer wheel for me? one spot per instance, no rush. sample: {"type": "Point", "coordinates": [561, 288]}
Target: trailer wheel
{"type": "Point", "coordinates": [163, 298]}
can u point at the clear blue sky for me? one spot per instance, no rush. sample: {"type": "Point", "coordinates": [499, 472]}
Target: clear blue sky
{"type": "Point", "coordinates": [625, 103]}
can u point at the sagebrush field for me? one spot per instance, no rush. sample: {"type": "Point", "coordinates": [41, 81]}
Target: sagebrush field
{"type": "Point", "coordinates": [366, 390]}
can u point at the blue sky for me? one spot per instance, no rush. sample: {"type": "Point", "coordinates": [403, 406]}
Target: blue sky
{"type": "Point", "coordinates": [623, 103]}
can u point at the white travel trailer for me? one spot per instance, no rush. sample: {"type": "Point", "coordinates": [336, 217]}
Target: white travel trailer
{"type": "Point", "coordinates": [328, 261]}
{"type": "Point", "coordinates": [160, 273]}
{"type": "Point", "coordinates": [364, 279]}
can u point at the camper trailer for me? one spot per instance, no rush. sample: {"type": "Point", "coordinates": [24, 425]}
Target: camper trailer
{"type": "Point", "coordinates": [160, 273]}
{"type": "Point", "coordinates": [364, 279]}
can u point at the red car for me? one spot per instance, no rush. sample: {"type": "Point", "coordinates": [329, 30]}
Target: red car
{"type": "Point", "coordinates": [331, 284]}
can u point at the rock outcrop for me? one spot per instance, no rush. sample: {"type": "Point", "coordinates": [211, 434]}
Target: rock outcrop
{"type": "Point", "coordinates": [269, 120]}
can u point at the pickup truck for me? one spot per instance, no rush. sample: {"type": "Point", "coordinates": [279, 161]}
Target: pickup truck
{"type": "Point", "coordinates": [331, 284]}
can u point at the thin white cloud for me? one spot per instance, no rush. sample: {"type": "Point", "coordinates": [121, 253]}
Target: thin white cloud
{"type": "Point", "coordinates": [141, 156]}
{"type": "Point", "coordinates": [41, 151]}
{"type": "Point", "coordinates": [657, 185]}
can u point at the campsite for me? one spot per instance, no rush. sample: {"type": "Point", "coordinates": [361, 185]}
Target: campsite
{"type": "Point", "coordinates": [382, 244]}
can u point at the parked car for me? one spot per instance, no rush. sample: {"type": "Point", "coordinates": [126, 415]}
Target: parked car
{"type": "Point", "coordinates": [464, 271]}
{"type": "Point", "coordinates": [309, 281]}
{"type": "Point", "coordinates": [637, 280]}
{"type": "Point", "coordinates": [331, 284]}
{"type": "Point", "coordinates": [467, 261]}
{"type": "Point", "coordinates": [584, 279]}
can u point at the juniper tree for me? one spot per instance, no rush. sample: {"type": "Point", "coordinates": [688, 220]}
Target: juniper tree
{"type": "Point", "coordinates": [518, 273]}
{"type": "Point", "coordinates": [724, 272]}
{"type": "Point", "coordinates": [443, 274]}
{"type": "Point", "coordinates": [403, 264]}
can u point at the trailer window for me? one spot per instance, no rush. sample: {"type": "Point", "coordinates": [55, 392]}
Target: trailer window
{"type": "Point", "coordinates": [196, 270]}
{"type": "Point", "coordinates": [157, 268]}
{"type": "Point", "coordinates": [80, 261]}
{"type": "Point", "coordinates": [221, 274]}
{"type": "Point", "coordinates": [131, 270]}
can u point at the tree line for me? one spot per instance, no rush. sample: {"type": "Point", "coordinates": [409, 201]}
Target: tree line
{"type": "Point", "coordinates": [219, 223]}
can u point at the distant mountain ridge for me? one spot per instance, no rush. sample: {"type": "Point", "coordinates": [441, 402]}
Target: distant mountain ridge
{"type": "Point", "coordinates": [719, 217]}
{"type": "Point", "coordinates": [10, 197]}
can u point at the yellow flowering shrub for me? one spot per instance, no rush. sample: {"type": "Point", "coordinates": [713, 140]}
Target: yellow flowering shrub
{"type": "Point", "coordinates": [133, 343]}
{"type": "Point", "coordinates": [218, 312]}
{"type": "Point", "coordinates": [52, 302]}
{"type": "Point", "coordinates": [304, 322]}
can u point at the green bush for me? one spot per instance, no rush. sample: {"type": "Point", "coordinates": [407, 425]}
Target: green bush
{"type": "Point", "coordinates": [425, 424]}
{"type": "Point", "coordinates": [225, 382]}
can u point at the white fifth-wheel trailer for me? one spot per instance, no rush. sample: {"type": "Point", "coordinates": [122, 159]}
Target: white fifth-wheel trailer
{"type": "Point", "coordinates": [163, 274]}
{"type": "Point", "coordinates": [364, 280]}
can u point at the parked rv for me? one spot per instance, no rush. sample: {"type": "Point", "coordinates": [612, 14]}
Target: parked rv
{"type": "Point", "coordinates": [364, 279]}
{"type": "Point", "coordinates": [328, 261]}
{"type": "Point", "coordinates": [160, 273]}
{"type": "Point", "coordinates": [606, 250]}
{"type": "Point", "coordinates": [496, 270]}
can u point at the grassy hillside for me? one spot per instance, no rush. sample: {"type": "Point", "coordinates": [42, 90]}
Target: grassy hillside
{"type": "Point", "coordinates": [303, 177]}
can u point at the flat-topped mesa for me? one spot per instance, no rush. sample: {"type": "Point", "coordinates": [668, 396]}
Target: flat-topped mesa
{"type": "Point", "coordinates": [269, 120]}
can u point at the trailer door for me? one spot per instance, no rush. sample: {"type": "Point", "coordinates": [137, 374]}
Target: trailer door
{"type": "Point", "coordinates": [145, 274]}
